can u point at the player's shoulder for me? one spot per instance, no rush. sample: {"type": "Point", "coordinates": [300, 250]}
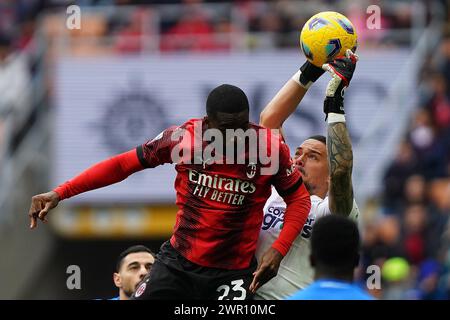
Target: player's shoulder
{"type": "Point", "coordinates": [270, 139]}
{"type": "Point", "coordinates": [252, 125]}
{"type": "Point", "coordinates": [191, 123]}
{"type": "Point", "coordinates": [321, 207]}
{"type": "Point", "coordinates": [270, 132]}
{"type": "Point", "coordinates": [187, 126]}
{"type": "Point", "coordinates": [175, 132]}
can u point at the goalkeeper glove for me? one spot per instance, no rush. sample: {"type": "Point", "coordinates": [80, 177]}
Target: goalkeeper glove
{"type": "Point", "coordinates": [308, 74]}
{"type": "Point", "coordinates": [341, 71]}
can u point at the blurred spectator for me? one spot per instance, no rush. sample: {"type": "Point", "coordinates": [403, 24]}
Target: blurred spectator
{"type": "Point", "coordinates": [404, 165]}
{"type": "Point", "coordinates": [429, 286]}
{"type": "Point", "coordinates": [417, 185]}
{"type": "Point", "coordinates": [381, 241]}
{"type": "Point", "coordinates": [415, 190]}
{"type": "Point", "coordinates": [129, 39]}
{"type": "Point", "coordinates": [414, 233]}
{"type": "Point", "coordinates": [440, 104]}
{"type": "Point", "coordinates": [444, 63]}
{"type": "Point", "coordinates": [428, 146]}
{"type": "Point", "coordinates": [439, 193]}
{"type": "Point", "coordinates": [193, 31]}
{"type": "Point", "coordinates": [422, 133]}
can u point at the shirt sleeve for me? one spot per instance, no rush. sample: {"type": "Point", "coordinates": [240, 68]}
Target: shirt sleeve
{"type": "Point", "coordinates": [323, 209]}
{"type": "Point", "coordinates": [100, 175]}
{"type": "Point", "coordinates": [159, 150]}
{"type": "Point", "coordinates": [298, 205]}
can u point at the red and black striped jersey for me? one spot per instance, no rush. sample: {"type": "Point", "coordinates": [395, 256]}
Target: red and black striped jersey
{"type": "Point", "coordinates": [220, 204]}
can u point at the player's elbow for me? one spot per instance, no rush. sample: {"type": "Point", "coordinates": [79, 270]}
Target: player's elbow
{"type": "Point", "coordinates": [268, 119]}
{"type": "Point", "coordinates": [263, 118]}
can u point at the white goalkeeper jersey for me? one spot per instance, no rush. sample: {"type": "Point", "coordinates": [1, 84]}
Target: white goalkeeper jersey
{"type": "Point", "coordinates": [295, 270]}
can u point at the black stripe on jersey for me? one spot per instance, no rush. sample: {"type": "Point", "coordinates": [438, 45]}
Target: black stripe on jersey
{"type": "Point", "coordinates": [140, 154]}
{"type": "Point", "coordinates": [290, 190]}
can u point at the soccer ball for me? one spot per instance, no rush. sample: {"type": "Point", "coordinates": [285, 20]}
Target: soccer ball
{"type": "Point", "coordinates": [326, 36]}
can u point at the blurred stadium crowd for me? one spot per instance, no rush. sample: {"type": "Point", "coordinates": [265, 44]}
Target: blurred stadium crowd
{"type": "Point", "coordinates": [194, 25]}
{"type": "Point", "coordinates": [411, 216]}
{"type": "Point", "coordinates": [413, 222]}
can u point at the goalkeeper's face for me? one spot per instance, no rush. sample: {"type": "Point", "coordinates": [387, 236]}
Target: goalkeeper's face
{"type": "Point", "coordinates": [134, 268]}
{"type": "Point", "coordinates": [311, 159]}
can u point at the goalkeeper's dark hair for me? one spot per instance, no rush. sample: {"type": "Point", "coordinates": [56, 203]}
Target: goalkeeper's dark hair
{"type": "Point", "coordinates": [226, 98]}
{"type": "Point", "coordinates": [335, 244]}
{"type": "Point", "coordinates": [319, 137]}
{"type": "Point", "coordinates": [132, 249]}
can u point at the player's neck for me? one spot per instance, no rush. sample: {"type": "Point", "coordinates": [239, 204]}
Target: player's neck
{"type": "Point", "coordinates": [321, 192]}
{"type": "Point", "coordinates": [123, 296]}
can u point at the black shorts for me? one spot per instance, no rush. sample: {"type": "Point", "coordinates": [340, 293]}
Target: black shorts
{"type": "Point", "coordinates": [174, 277]}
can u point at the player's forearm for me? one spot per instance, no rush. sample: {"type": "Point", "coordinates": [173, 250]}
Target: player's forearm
{"type": "Point", "coordinates": [340, 161]}
{"type": "Point", "coordinates": [297, 211]}
{"type": "Point", "coordinates": [282, 105]}
{"type": "Point", "coordinates": [287, 99]}
{"type": "Point", "coordinates": [100, 175]}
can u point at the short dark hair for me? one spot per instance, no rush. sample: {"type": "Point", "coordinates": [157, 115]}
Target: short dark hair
{"type": "Point", "coordinates": [335, 243]}
{"type": "Point", "coordinates": [319, 137]}
{"type": "Point", "coordinates": [132, 249]}
{"type": "Point", "coordinates": [226, 98]}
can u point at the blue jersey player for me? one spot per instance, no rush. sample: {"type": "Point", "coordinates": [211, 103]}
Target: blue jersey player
{"type": "Point", "coordinates": [334, 256]}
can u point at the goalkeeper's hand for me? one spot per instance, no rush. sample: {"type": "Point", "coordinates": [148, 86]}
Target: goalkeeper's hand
{"type": "Point", "coordinates": [341, 70]}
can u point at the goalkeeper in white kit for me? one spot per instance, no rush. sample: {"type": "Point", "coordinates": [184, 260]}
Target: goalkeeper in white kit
{"type": "Point", "coordinates": [326, 165]}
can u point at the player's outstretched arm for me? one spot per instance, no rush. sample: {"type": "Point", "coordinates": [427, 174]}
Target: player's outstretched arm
{"type": "Point", "coordinates": [298, 206]}
{"type": "Point", "coordinates": [289, 184]}
{"type": "Point", "coordinates": [149, 155]}
{"type": "Point", "coordinates": [290, 95]}
{"type": "Point", "coordinates": [339, 147]}
{"type": "Point", "coordinates": [102, 174]}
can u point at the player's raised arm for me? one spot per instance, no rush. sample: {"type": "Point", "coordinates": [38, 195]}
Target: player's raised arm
{"type": "Point", "coordinates": [288, 98]}
{"type": "Point", "coordinates": [105, 173]}
{"type": "Point", "coordinates": [339, 147]}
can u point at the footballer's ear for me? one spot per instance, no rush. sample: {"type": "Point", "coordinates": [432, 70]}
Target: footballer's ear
{"type": "Point", "coordinates": [117, 280]}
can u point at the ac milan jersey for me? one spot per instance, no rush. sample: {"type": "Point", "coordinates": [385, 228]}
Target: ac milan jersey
{"type": "Point", "coordinates": [220, 205]}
